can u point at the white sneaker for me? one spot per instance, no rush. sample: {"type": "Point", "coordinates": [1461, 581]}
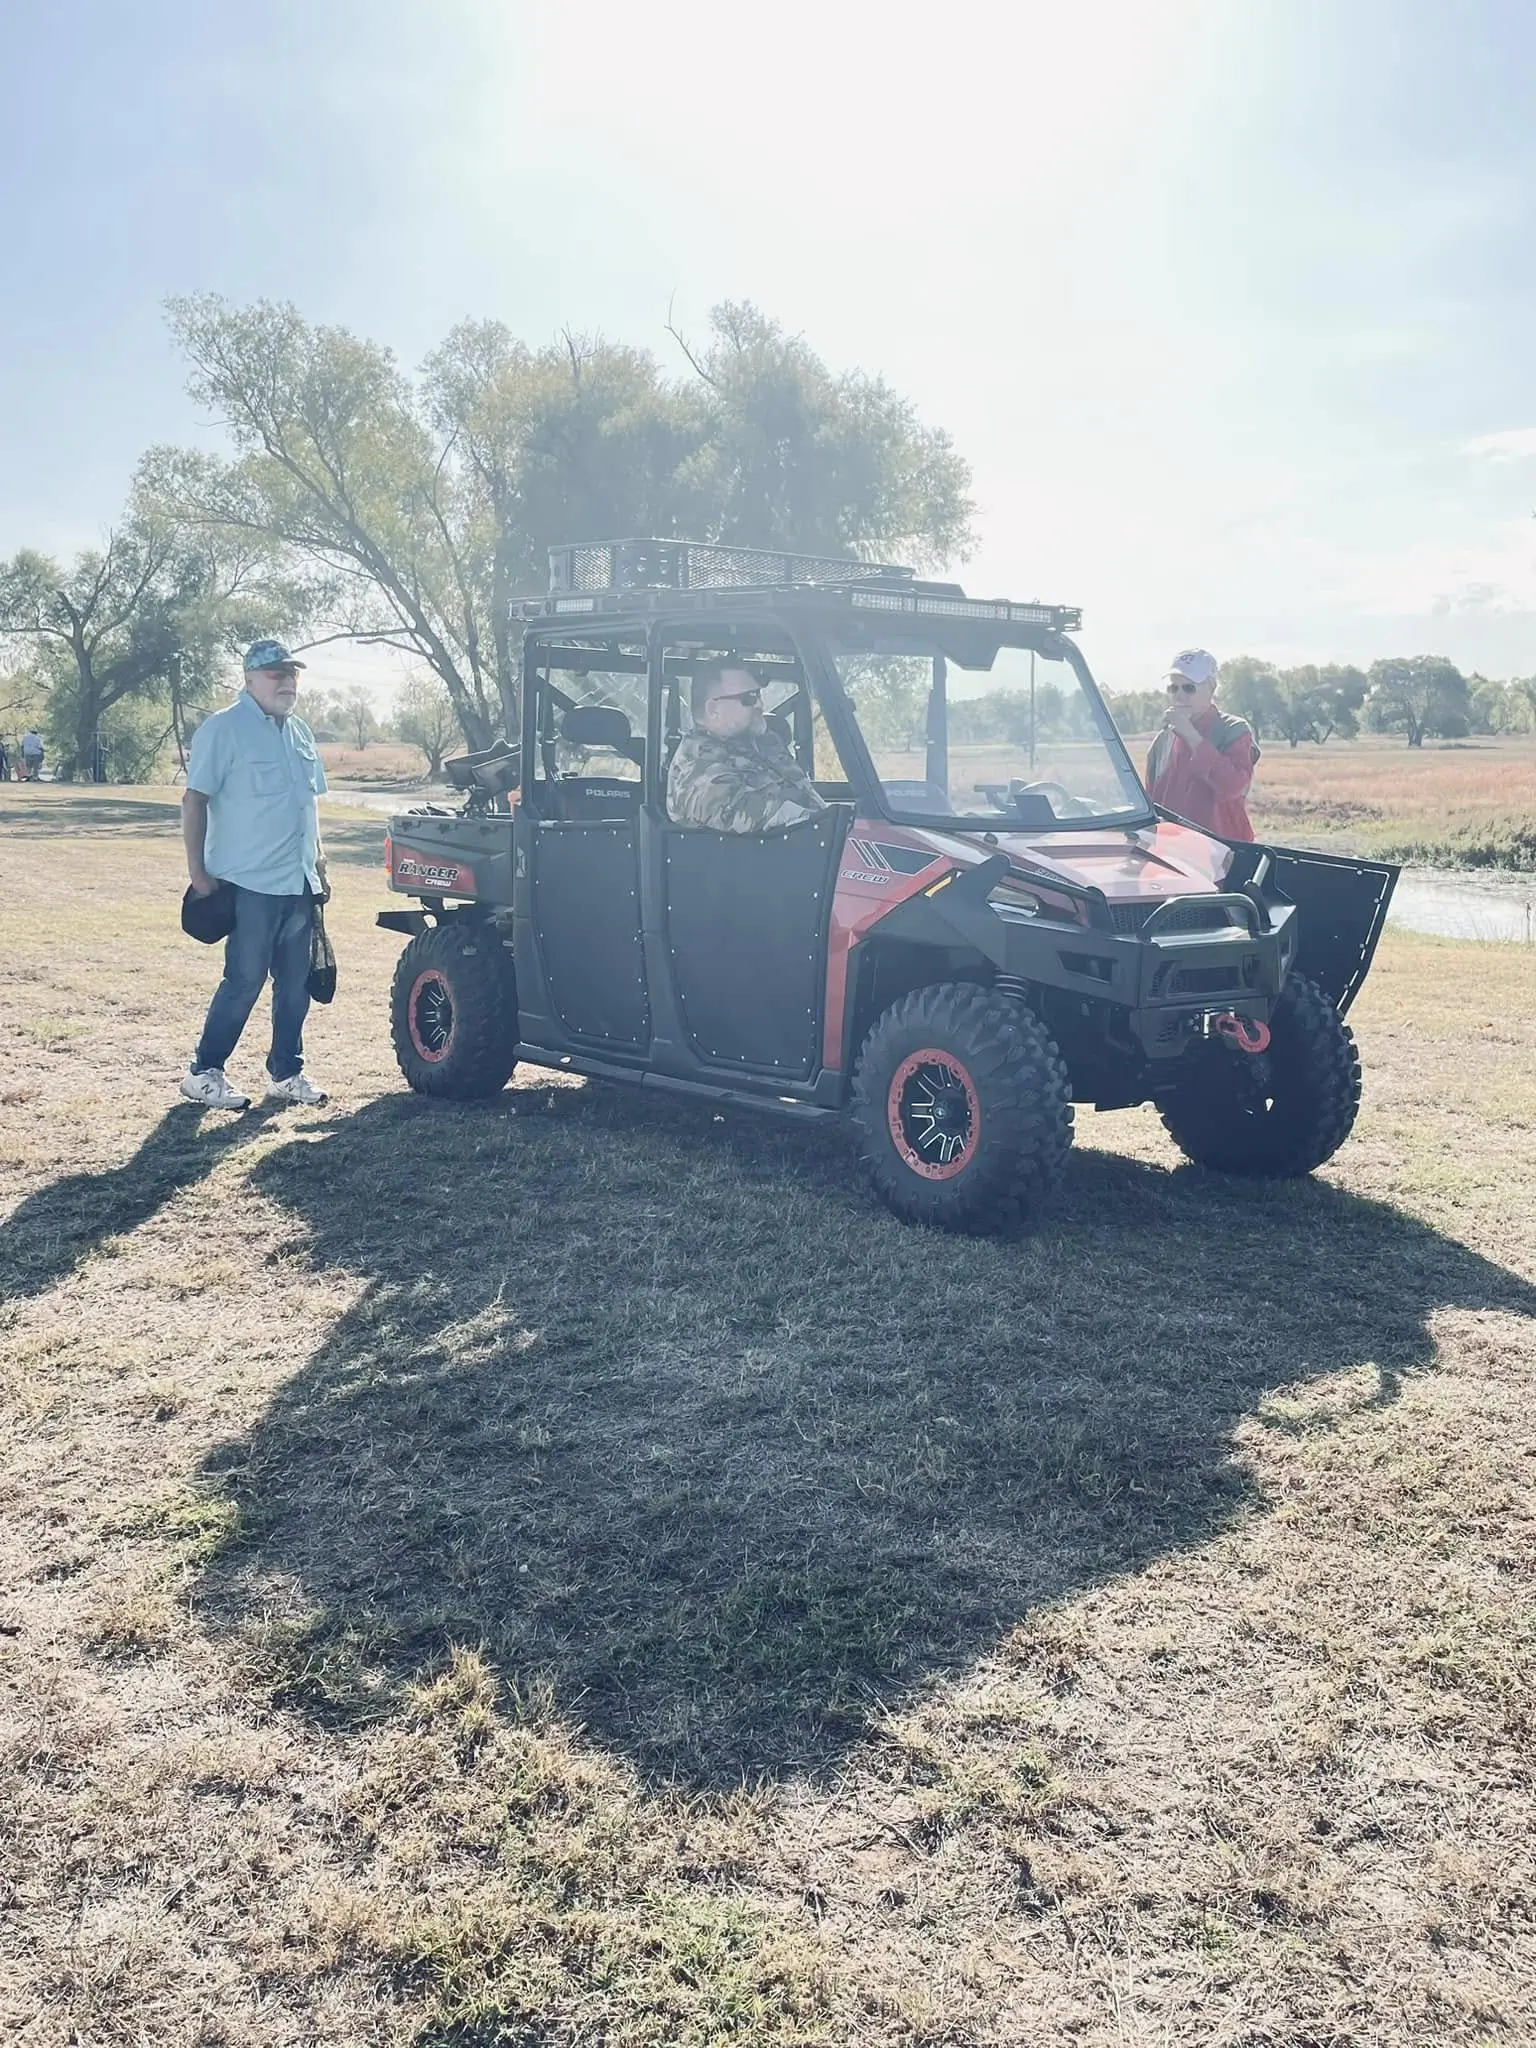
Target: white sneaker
{"type": "Point", "coordinates": [296, 1088]}
{"type": "Point", "coordinates": [211, 1088]}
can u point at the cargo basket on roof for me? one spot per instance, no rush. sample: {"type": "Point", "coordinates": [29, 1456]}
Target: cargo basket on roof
{"type": "Point", "coordinates": [698, 565]}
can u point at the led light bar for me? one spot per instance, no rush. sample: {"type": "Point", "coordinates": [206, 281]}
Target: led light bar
{"type": "Point", "coordinates": [1060, 618]}
{"type": "Point", "coordinates": [961, 608]}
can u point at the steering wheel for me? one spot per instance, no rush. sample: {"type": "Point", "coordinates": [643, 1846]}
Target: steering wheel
{"type": "Point", "coordinates": [1051, 791]}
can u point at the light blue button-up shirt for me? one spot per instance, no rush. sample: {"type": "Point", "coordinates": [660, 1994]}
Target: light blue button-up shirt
{"type": "Point", "coordinates": [261, 776]}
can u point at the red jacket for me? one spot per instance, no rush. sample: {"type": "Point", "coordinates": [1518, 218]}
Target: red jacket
{"type": "Point", "coordinates": [1206, 784]}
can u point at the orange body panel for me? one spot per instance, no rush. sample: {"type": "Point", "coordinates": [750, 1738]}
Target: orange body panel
{"type": "Point", "coordinates": [877, 872]}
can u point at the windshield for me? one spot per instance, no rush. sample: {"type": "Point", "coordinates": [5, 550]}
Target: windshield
{"type": "Point", "coordinates": [986, 736]}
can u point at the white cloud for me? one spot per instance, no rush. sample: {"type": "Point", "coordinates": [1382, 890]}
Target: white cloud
{"type": "Point", "coordinates": [1511, 444]}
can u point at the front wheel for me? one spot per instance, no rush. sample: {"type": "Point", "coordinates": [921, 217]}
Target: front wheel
{"type": "Point", "coordinates": [453, 1011]}
{"type": "Point", "coordinates": [1276, 1114]}
{"type": "Point", "coordinates": [964, 1106]}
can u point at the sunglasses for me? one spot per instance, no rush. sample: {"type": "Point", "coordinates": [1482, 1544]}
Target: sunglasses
{"type": "Point", "coordinates": [1184, 689]}
{"type": "Point", "coordinates": [747, 697]}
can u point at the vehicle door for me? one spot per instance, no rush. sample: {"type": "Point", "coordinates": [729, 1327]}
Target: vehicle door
{"type": "Point", "coordinates": [743, 914]}
{"type": "Point", "coordinates": [580, 953]}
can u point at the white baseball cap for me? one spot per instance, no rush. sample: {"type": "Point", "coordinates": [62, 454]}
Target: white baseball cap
{"type": "Point", "coordinates": [1195, 665]}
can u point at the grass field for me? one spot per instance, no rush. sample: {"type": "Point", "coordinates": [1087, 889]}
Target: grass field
{"type": "Point", "coordinates": [1467, 804]}
{"type": "Point", "coordinates": [570, 1570]}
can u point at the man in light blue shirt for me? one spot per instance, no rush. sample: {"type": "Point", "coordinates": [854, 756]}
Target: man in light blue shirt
{"type": "Point", "coordinates": [250, 824]}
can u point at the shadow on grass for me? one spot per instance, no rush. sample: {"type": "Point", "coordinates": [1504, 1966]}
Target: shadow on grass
{"type": "Point", "coordinates": [55, 1230]}
{"type": "Point", "coordinates": [357, 841]}
{"type": "Point", "coordinates": [661, 1409]}
{"type": "Point", "coordinates": [94, 816]}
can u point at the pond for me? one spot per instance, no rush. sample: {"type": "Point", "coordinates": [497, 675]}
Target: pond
{"type": "Point", "coordinates": [1453, 905]}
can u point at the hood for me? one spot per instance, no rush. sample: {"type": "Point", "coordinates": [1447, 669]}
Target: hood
{"type": "Point", "coordinates": [1148, 865]}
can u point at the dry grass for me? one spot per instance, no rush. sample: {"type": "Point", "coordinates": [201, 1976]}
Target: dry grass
{"type": "Point", "coordinates": [569, 1570]}
{"type": "Point", "coordinates": [1471, 803]}
{"type": "Point", "coordinates": [384, 761]}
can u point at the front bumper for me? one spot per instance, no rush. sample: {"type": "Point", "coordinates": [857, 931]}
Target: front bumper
{"type": "Point", "coordinates": [1155, 976]}
{"type": "Point", "coordinates": [1166, 980]}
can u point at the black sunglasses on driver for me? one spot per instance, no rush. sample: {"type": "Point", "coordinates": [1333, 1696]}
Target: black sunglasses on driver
{"type": "Point", "coordinates": [747, 697]}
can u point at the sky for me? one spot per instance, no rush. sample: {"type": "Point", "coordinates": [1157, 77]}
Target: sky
{"type": "Point", "coordinates": [1228, 303]}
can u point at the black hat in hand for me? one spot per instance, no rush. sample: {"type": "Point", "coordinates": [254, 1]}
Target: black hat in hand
{"type": "Point", "coordinates": [208, 918]}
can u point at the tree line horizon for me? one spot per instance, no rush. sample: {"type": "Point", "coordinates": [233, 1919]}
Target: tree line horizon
{"type": "Point", "coordinates": [353, 500]}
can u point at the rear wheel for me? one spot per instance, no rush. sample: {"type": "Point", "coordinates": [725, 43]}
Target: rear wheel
{"type": "Point", "coordinates": [453, 1012]}
{"type": "Point", "coordinates": [964, 1106]}
{"type": "Point", "coordinates": [1278, 1113]}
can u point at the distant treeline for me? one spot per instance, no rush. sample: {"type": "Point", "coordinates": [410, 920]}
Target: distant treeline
{"type": "Point", "coordinates": [1420, 695]}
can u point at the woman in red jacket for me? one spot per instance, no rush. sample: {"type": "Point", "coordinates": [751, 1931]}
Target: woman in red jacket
{"type": "Point", "coordinates": [1201, 763]}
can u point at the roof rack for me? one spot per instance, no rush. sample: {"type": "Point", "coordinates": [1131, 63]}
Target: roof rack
{"type": "Point", "coordinates": [623, 577]}
{"type": "Point", "coordinates": [701, 565]}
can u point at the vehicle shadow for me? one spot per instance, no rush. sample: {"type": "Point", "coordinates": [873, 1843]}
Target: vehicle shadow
{"type": "Point", "coordinates": [662, 1412]}
{"type": "Point", "coordinates": [55, 1230]}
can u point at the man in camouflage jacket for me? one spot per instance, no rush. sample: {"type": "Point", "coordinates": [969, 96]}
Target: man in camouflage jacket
{"type": "Point", "coordinates": [732, 773]}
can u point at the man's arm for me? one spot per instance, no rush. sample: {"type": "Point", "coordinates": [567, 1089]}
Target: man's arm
{"type": "Point", "coordinates": [1228, 774]}
{"type": "Point", "coordinates": [205, 776]}
{"type": "Point", "coordinates": [320, 868]}
{"type": "Point", "coordinates": [319, 785]}
{"type": "Point", "coordinates": [194, 837]}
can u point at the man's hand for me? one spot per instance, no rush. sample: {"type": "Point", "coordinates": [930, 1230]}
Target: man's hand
{"type": "Point", "coordinates": [1178, 720]}
{"type": "Point", "coordinates": [323, 877]}
{"type": "Point", "coordinates": [203, 883]}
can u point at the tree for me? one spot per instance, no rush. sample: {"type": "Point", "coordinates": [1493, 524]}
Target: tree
{"type": "Point", "coordinates": [1293, 700]}
{"type": "Point", "coordinates": [424, 718]}
{"type": "Point", "coordinates": [1250, 689]}
{"type": "Point", "coordinates": [358, 719]}
{"type": "Point", "coordinates": [431, 504]}
{"type": "Point", "coordinates": [323, 712]}
{"type": "Point", "coordinates": [23, 703]}
{"type": "Point", "coordinates": [797, 456]}
{"type": "Point", "coordinates": [1293, 704]}
{"type": "Point", "coordinates": [1311, 703]}
{"type": "Point", "coordinates": [1340, 695]}
{"type": "Point", "coordinates": [154, 607]}
{"type": "Point", "coordinates": [335, 465]}
{"type": "Point", "coordinates": [1419, 694]}
{"type": "Point", "coordinates": [99, 629]}
{"type": "Point", "coordinates": [1138, 711]}
{"type": "Point", "coordinates": [1501, 707]}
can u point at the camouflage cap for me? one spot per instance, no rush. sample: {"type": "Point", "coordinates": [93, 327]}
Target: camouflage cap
{"type": "Point", "coordinates": [269, 654]}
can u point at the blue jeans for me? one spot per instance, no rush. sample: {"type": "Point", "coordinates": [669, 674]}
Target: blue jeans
{"type": "Point", "coordinates": [271, 936]}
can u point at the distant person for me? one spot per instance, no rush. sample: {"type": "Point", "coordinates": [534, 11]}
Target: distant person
{"type": "Point", "coordinates": [5, 763]}
{"type": "Point", "coordinates": [31, 757]}
{"type": "Point", "coordinates": [732, 773]}
{"type": "Point", "coordinates": [250, 821]}
{"type": "Point", "coordinates": [1201, 763]}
